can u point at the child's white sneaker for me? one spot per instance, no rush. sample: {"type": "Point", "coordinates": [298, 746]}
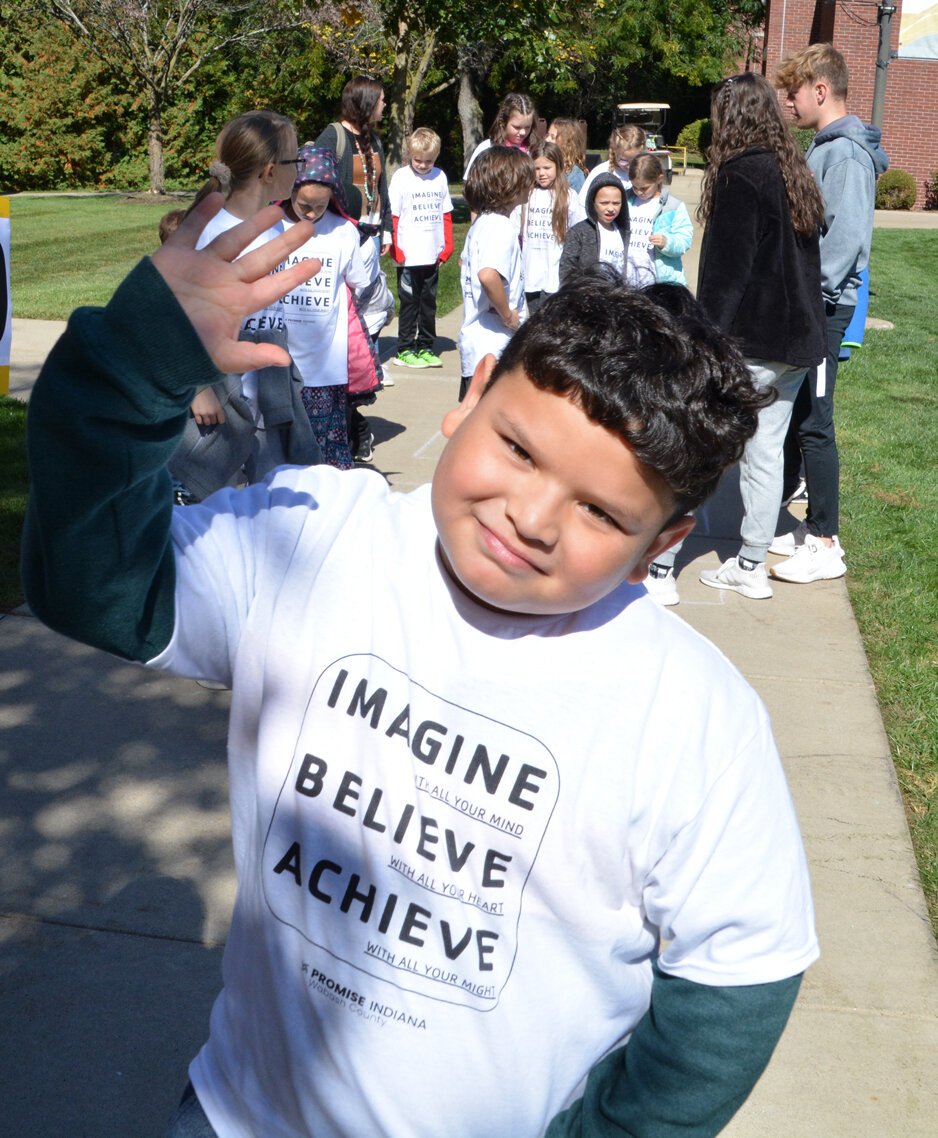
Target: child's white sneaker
{"type": "Point", "coordinates": [813, 561]}
{"type": "Point", "coordinates": [785, 544]}
{"type": "Point", "coordinates": [751, 583]}
{"type": "Point", "coordinates": [661, 586]}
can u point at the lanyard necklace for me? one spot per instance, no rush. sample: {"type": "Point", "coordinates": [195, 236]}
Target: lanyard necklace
{"type": "Point", "coordinates": [368, 165]}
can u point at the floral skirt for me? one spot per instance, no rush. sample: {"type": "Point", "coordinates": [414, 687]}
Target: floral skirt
{"type": "Point", "coordinates": [325, 407]}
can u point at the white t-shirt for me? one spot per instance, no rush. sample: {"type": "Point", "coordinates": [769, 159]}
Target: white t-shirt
{"type": "Point", "coordinates": [611, 248]}
{"type": "Point", "coordinates": [483, 145]}
{"type": "Point", "coordinates": [316, 313]}
{"type": "Point", "coordinates": [223, 221]}
{"type": "Point", "coordinates": [541, 250]}
{"type": "Point", "coordinates": [598, 171]}
{"type": "Point", "coordinates": [641, 266]}
{"type": "Point", "coordinates": [419, 201]}
{"type": "Point", "coordinates": [460, 835]}
{"type": "Point", "coordinates": [491, 243]}
{"type": "Point", "coordinates": [267, 318]}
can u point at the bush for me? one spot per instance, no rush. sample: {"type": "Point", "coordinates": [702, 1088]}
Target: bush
{"type": "Point", "coordinates": [896, 189]}
{"type": "Point", "coordinates": [803, 137]}
{"type": "Point", "coordinates": [695, 136]}
{"type": "Point", "coordinates": [931, 191]}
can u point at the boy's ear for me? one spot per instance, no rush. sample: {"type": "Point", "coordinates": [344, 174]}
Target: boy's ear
{"type": "Point", "coordinates": [480, 377]}
{"type": "Point", "coordinates": [671, 534]}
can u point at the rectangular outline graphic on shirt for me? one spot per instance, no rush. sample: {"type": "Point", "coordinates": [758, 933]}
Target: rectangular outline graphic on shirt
{"type": "Point", "coordinates": [405, 832]}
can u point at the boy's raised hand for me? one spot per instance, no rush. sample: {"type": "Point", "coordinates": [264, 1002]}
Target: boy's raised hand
{"type": "Point", "coordinates": [216, 290]}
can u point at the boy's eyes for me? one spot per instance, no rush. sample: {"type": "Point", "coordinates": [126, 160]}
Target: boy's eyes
{"type": "Point", "coordinates": [599, 514]}
{"type": "Point", "coordinates": [517, 450]}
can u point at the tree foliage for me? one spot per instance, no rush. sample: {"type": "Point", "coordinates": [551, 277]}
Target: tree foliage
{"type": "Point", "coordinates": [154, 47]}
{"type": "Point", "coordinates": [103, 92]}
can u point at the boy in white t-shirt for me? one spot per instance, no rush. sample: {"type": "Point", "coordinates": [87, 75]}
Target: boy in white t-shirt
{"type": "Point", "coordinates": [422, 219]}
{"type": "Point", "coordinates": [515, 851]}
{"type": "Point", "coordinates": [491, 265]}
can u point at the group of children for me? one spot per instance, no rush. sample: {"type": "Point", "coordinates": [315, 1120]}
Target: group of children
{"type": "Point", "coordinates": [538, 219]}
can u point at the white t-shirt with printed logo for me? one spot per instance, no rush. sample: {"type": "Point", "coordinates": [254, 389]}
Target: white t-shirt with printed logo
{"type": "Point", "coordinates": [460, 835]}
{"type": "Point", "coordinates": [316, 313]}
{"type": "Point", "coordinates": [419, 202]}
{"type": "Point", "coordinates": [541, 249]}
{"type": "Point", "coordinates": [641, 264]}
{"type": "Point", "coordinates": [491, 243]}
{"type": "Point", "coordinates": [611, 248]}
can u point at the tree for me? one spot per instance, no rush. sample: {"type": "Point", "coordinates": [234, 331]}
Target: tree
{"type": "Point", "coordinates": [156, 46]}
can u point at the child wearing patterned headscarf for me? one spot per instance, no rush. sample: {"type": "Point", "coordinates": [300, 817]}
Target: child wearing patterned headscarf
{"type": "Point", "coordinates": [317, 313]}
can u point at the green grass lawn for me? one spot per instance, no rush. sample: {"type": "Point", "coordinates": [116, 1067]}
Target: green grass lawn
{"type": "Point", "coordinates": [104, 237]}
{"type": "Point", "coordinates": [71, 251]}
{"type": "Point", "coordinates": [887, 408]}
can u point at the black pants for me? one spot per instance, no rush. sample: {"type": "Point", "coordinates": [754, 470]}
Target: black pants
{"type": "Point", "coordinates": [416, 319]}
{"type": "Point", "coordinates": [811, 435]}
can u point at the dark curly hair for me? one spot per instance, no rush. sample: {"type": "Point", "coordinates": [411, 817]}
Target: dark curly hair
{"type": "Point", "coordinates": [745, 112]}
{"type": "Point", "coordinates": [650, 366]}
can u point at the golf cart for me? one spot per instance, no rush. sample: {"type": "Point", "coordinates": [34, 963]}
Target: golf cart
{"type": "Point", "coordinates": [651, 117]}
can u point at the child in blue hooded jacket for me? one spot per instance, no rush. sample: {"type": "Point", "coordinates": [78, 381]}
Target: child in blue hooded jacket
{"type": "Point", "coordinates": [660, 229]}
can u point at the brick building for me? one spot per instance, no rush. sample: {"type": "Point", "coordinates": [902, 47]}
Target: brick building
{"type": "Point", "coordinates": [910, 108]}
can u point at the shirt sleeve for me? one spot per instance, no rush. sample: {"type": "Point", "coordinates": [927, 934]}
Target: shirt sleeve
{"type": "Point", "coordinates": [105, 417]}
{"type": "Point", "coordinates": [688, 1067]}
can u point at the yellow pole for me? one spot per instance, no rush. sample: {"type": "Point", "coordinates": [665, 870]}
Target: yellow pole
{"type": "Point", "coordinates": [6, 303]}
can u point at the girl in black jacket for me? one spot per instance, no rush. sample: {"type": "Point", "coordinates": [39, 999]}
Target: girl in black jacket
{"type": "Point", "coordinates": [760, 281]}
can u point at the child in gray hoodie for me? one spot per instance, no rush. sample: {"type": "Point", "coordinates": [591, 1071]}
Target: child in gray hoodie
{"type": "Point", "coordinates": [604, 235]}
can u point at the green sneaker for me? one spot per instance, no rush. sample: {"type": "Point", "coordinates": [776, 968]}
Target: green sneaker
{"type": "Point", "coordinates": [408, 359]}
{"type": "Point", "coordinates": [429, 359]}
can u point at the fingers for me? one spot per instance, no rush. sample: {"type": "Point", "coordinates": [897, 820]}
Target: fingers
{"type": "Point", "coordinates": [191, 226]}
{"type": "Point", "coordinates": [263, 260]}
{"type": "Point", "coordinates": [233, 241]}
{"type": "Point", "coordinates": [271, 288]}
{"type": "Point", "coordinates": [239, 356]}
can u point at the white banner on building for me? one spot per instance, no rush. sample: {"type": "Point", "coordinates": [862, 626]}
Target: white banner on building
{"type": "Point", "coordinates": [918, 31]}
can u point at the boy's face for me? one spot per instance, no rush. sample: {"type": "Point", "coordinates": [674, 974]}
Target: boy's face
{"type": "Point", "coordinates": [608, 204]}
{"type": "Point", "coordinates": [803, 103]}
{"type": "Point", "coordinates": [539, 510]}
{"type": "Point", "coordinates": [421, 162]}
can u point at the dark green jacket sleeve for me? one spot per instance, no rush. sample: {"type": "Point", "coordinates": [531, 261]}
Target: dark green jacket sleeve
{"type": "Point", "coordinates": [689, 1065]}
{"type": "Point", "coordinates": [104, 418]}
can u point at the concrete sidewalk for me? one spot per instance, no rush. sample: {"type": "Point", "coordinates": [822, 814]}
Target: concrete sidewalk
{"type": "Point", "coordinates": [117, 882]}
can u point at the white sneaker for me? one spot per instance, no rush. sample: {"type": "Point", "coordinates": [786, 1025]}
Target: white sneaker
{"type": "Point", "coordinates": [387, 380]}
{"type": "Point", "coordinates": [800, 493]}
{"type": "Point", "coordinates": [785, 544]}
{"type": "Point", "coordinates": [813, 561]}
{"type": "Point", "coordinates": [751, 583]}
{"type": "Point", "coordinates": [663, 588]}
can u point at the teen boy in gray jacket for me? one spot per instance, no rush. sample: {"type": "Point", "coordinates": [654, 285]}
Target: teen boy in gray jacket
{"type": "Point", "coordinates": [846, 160]}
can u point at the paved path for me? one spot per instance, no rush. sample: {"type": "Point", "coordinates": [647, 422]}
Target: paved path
{"type": "Point", "coordinates": [116, 876]}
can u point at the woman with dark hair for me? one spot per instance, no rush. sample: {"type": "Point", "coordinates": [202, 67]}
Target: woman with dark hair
{"type": "Point", "coordinates": [760, 282]}
{"type": "Point", "coordinates": [360, 157]}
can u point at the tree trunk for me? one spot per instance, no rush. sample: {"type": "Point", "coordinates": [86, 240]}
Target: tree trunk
{"type": "Point", "coordinates": [474, 61]}
{"type": "Point", "coordinates": [155, 143]}
{"type": "Point", "coordinates": [412, 59]}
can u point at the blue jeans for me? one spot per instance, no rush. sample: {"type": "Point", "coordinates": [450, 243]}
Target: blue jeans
{"type": "Point", "coordinates": [189, 1121]}
{"type": "Point", "coordinates": [762, 465]}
